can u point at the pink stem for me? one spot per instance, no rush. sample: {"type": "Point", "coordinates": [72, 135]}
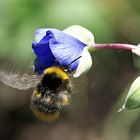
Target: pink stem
{"type": "Point", "coordinates": [115, 46]}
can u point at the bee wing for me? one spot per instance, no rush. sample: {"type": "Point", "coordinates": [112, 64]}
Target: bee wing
{"type": "Point", "coordinates": [19, 81]}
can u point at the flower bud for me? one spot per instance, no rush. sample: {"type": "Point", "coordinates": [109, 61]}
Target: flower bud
{"type": "Point", "coordinates": [132, 100]}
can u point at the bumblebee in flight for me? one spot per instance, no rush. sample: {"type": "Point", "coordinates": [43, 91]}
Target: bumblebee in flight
{"type": "Point", "coordinates": [52, 90]}
{"type": "Point", "coordinates": [51, 94]}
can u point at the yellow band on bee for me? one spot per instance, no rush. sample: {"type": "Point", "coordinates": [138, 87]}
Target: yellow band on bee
{"type": "Point", "coordinates": [50, 117]}
{"type": "Point", "coordinates": [58, 71]}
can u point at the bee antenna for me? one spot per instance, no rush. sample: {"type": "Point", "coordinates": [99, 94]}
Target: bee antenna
{"type": "Point", "coordinates": [73, 61]}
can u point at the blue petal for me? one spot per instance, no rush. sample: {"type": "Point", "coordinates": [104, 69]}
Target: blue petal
{"type": "Point", "coordinates": [39, 34]}
{"type": "Point", "coordinates": [41, 64]}
{"type": "Point", "coordinates": [44, 55]}
{"type": "Point", "coordinates": [66, 48]}
{"type": "Point", "coordinates": [42, 48]}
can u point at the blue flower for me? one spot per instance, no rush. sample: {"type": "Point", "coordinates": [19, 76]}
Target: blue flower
{"type": "Point", "coordinates": [53, 47]}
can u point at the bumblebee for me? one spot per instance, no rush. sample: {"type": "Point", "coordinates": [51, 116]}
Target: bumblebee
{"type": "Point", "coordinates": [52, 90]}
{"type": "Point", "coordinates": [51, 94]}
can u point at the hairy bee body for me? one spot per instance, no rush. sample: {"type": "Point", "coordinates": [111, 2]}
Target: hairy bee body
{"type": "Point", "coordinates": [52, 90]}
{"type": "Point", "coordinates": [51, 94]}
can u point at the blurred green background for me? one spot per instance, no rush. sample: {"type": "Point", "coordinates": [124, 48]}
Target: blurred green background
{"type": "Point", "coordinates": [96, 96]}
